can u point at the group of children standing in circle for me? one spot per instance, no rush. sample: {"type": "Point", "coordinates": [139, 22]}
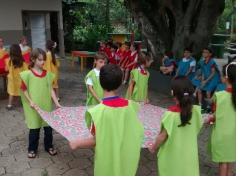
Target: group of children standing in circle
{"type": "Point", "coordinates": [181, 124]}
{"type": "Point", "coordinates": [117, 134]}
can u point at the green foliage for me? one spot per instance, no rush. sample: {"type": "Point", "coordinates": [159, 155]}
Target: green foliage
{"type": "Point", "coordinates": [221, 26]}
{"type": "Point", "coordinates": [87, 23]}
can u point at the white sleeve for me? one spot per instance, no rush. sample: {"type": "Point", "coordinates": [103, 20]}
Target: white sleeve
{"type": "Point", "coordinates": [89, 82]}
{"type": "Point", "coordinates": [193, 64]}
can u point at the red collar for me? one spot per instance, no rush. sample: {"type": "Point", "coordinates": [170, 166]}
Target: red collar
{"type": "Point", "coordinates": [174, 108]}
{"type": "Point", "coordinates": [229, 89]}
{"type": "Point", "coordinates": [43, 74]}
{"type": "Point", "coordinates": [143, 71]}
{"type": "Point", "coordinates": [118, 102]}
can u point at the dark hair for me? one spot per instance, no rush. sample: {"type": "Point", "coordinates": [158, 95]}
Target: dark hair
{"type": "Point", "coordinates": [136, 46]}
{"type": "Point", "coordinates": [109, 43]}
{"type": "Point", "coordinates": [231, 73]}
{"type": "Point", "coordinates": [210, 51]}
{"type": "Point", "coordinates": [50, 47]}
{"type": "Point", "coordinates": [224, 69]}
{"type": "Point", "coordinates": [114, 46]}
{"type": "Point", "coordinates": [34, 56]}
{"type": "Point", "coordinates": [183, 92]}
{"type": "Point", "coordinates": [110, 77]}
{"type": "Point", "coordinates": [23, 38]}
{"type": "Point", "coordinates": [188, 49]}
{"type": "Point", "coordinates": [128, 44]}
{"type": "Point", "coordinates": [16, 58]}
{"type": "Point", "coordinates": [101, 55]}
{"type": "Point", "coordinates": [143, 57]}
{"type": "Point", "coordinates": [169, 54]}
{"type": "Point", "coordinates": [119, 44]}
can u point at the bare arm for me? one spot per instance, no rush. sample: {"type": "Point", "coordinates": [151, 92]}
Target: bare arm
{"type": "Point", "coordinates": [26, 94]}
{"type": "Point", "coordinates": [213, 71]}
{"type": "Point", "coordinates": [204, 82]}
{"type": "Point", "coordinates": [131, 88]}
{"type": "Point", "coordinates": [85, 143]}
{"type": "Point", "coordinates": [147, 99]}
{"type": "Point", "coordinates": [54, 98]}
{"type": "Point", "coordinates": [177, 73]}
{"type": "Point", "coordinates": [92, 91]}
{"type": "Point", "coordinates": [133, 63]}
{"type": "Point", "coordinates": [189, 71]}
{"type": "Point", "coordinates": [161, 138]}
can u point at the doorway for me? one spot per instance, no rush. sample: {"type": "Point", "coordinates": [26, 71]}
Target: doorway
{"type": "Point", "coordinates": [38, 30]}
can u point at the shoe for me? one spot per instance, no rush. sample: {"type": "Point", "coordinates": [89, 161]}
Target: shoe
{"type": "Point", "coordinates": [9, 107]}
{"type": "Point", "coordinates": [32, 154]}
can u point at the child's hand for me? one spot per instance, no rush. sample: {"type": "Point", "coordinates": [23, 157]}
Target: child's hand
{"type": "Point", "coordinates": [58, 106]}
{"type": "Point", "coordinates": [146, 101]}
{"type": "Point", "coordinates": [203, 83]}
{"type": "Point", "coordinates": [73, 145]}
{"type": "Point", "coordinates": [151, 148]}
{"type": "Point", "coordinates": [33, 105]}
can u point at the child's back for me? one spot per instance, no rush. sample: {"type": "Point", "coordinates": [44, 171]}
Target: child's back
{"type": "Point", "coordinates": [223, 142]}
{"type": "Point", "coordinates": [13, 77]}
{"type": "Point", "coordinates": [138, 86]}
{"type": "Point", "coordinates": [140, 89]}
{"type": "Point", "coordinates": [178, 156]}
{"type": "Point", "coordinates": [119, 136]}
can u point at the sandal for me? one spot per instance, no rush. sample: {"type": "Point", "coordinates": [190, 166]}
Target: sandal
{"type": "Point", "coordinates": [51, 151]}
{"type": "Point", "coordinates": [31, 154]}
{"type": "Point", "coordinates": [9, 107]}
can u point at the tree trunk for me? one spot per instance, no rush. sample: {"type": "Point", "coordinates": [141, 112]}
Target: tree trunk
{"type": "Point", "coordinates": [176, 24]}
{"type": "Point", "coordinates": [107, 17]}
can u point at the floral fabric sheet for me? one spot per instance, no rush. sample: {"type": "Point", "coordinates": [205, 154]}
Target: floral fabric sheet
{"type": "Point", "coordinates": [70, 122]}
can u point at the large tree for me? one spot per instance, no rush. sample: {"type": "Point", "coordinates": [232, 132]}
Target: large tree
{"type": "Point", "coordinates": [176, 24]}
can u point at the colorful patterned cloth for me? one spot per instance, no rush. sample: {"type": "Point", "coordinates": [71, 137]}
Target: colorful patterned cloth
{"type": "Point", "coordinates": [70, 122]}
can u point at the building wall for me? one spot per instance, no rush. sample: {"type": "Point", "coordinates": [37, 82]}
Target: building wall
{"type": "Point", "coordinates": [11, 28]}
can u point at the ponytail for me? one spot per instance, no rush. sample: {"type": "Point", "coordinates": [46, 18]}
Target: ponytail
{"type": "Point", "coordinates": [186, 105]}
{"type": "Point", "coordinates": [53, 56]}
{"type": "Point", "coordinates": [50, 47]}
{"type": "Point", "coordinates": [183, 91]}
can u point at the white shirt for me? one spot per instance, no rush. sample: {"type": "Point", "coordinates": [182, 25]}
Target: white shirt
{"type": "Point", "coordinates": [89, 81]}
{"type": "Point", "coordinates": [192, 63]}
{"type": "Point", "coordinates": [136, 58]}
{"type": "Point", "coordinates": [24, 48]}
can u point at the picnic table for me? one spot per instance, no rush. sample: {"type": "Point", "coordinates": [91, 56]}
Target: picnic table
{"type": "Point", "coordinates": [82, 55]}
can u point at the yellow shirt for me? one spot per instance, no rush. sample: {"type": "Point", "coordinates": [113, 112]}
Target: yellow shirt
{"type": "Point", "coordinates": [13, 77]}
{"type": "Point", "coordinates": [50, 67]}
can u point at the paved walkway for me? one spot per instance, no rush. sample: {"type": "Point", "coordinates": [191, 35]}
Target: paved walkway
{"type": "Point", "coordinates": [13, 139]}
